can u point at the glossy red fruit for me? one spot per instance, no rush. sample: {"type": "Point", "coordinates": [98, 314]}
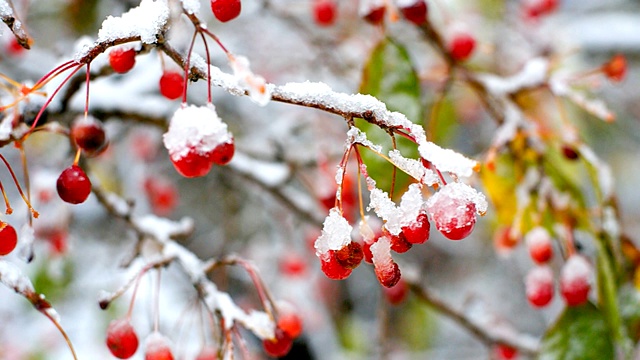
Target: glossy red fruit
{"type": "Point", "coordinates": [454, 217]}
{"type": "Point", "coordinates": [399, 243]}
{"type": "Point", "coordinates": [225, 10]}
{"type": "Point", "coordinates": [461, 46]}
{"type": "Point", "coordinates": [8, 238]}
{"type": "Point", "coordinates": [223, 153]}
{"type": "Point", "coordinates": [73, 185]}
{"type": "Point", "coordinates": [162, 195]}
{"type": "Point", "coordinates": [324, 12]}
{"type": "Point", "coordinates": [89, 135]}
{"type": "Point", "coordinates": [122, 340]}
{"type": "Point", "coordinates": [278, 346]}
{"type": "Point", "coordinates": [575, 280]}
{"type": "Point", "coordinates": [193, 164]}
{"type": "Point", "coordinates": [539, 286]}
{"type": "Point", "coordinates": [350, 256]}
{"type": "Point", "coordinates": [332, 268]}
{"type": "Point", "coordinates": [388, 275]}
{"type": "Point", "coordinates": [504, 240]}
{"type": "Point", "coordinates": [418, 231]}
{"type": "Point", "coordinates": [171, 84]}
{"type": "Point", "coordinates": [375, 16]}
{"type": "Point", "coordinates": [539, 245]}
{"type": "Point", "coordinates": [207, 353]}
{"type": "Point", "coordinates": [570, 152]}
{"type": "Point", "coordinates": [122, 60]}
{"type": "Point", "coordinates": [396, 294]}
{"type": "Point", "coordinates": [505, 352]}
{"type": "Point", "coordinates": [616, 68]}
{"type": "Point", "coordinates": [157, 348]}
{"type": "Point", "coordinates": [366, 250]}
{"type": "Point", "coordinates": [416, 12]}
{"type": "Point", "coordinates": [290, 323]}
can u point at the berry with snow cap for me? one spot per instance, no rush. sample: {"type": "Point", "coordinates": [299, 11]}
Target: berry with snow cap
{"type": "Point", "coordinates": [157, 347]}
{"type": "Point", "coordinates": [539, 286]}
{"type": "Point", "coordinates": [386, 269]}
{"type": "Point", "coordinates": [194, 134]}
{"type": "Point", "coordinates": [279, 346]}
{"type": "Point", "coordinates": [539, 243]}
{"type": "Point", "coordinates": [373, 11]}
{"type": "Point", "coordinates": [418, 231]}
{"type": "Point", "coordinates": [575, 280]}
{"type": "Point", "coordinates": [350, 256]}
{"type": "Point", "coordinates": [122, 340]}
{"type": "Point", "coordinates": [453, 210]}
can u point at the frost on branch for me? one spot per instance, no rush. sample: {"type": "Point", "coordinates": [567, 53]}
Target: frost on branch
{"type": "Point", "coordinates": [146, 21]}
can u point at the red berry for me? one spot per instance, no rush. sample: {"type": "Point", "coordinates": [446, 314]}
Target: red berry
{"type": "Point", "coordinates": [162, 195]}
{"type": "Point", "coordinates": [14, 48]}
{"type": "Point", "coordinates": [193, 164]}
{"type": "Point", "coordinates": [89, 135]}
{"type": "Point", "coordinates": [157, 348]}
{"type": "Point", "coordinates": [415, 12]}
{"type": "Point", "coordinates": [293, 264]}
{"type": "Point", "coordinates": [324, 12]}
{"type": "Point", "coordinates": [454, 217]}
{"type": "Point", "coordinates": [223, 153]}
{"type": "Point", "coordinates": [418, 231]}
{"type": "Point", "coordinates": [575, 280]}
{"type": "Point", "coordinates": [225, 10]}
{"type": "Point", "coordinates": [122, 60]}
{"type": "Point", "coordinates": [569, 152]}
{"type": "Point", "coordinates": [616, 68]}
{"type": "Point", "coordinates": [388, 276]}
{"type": "Point", "coordinates": [375, 16]}
{"type": "Point", "coordinates": [289, 321]}
{"type": "Point", "coordinates": [350, 256]}
{"type": "Point", "coordinates": [279, 346]}
{"type": "Point", "coordinates": [8, 238]}
{"type": "Point", "coordinates": [397, 293]}
{"type": "Point", "coordinates": [539, 286]}
{"type": "Point", "coordinates": [73, 185]}
{"type": "Point", "coordinates": [534, 9]}
{"type": "Point", "coordinates": [171, 84]}
{"type": "Point", "coordinates": [504, 240]}
{"type": "Point", "coordinates": [332, 268]}
{"type": "Point", "coordinates": [399, 243]}
{"type": "Point", "coordinates": [122, 340]}
{"type": "Point", "coordinates": [505, 352]}
{"type": "Point", "coordinates": [207, 353]}
{"type": "Point", "coordinates": [366, 251]}
{"type": "Point", "coordinates": [461, 46]}
{"type": "Point", "coordinates": [539, 243]}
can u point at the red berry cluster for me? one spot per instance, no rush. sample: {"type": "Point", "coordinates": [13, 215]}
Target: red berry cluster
{"type": "Point", "coordinates": [575, 282]}
{"type": "Point", "coordinates": [288, 328]}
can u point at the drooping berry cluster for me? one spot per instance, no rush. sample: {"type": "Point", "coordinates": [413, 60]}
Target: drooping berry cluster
{"type": "Point", "coordinates": [288, 328]}
{"type": "Point", "coordinates": [197, 139]}
{"type": "Point", "coordinates": [575, 282]}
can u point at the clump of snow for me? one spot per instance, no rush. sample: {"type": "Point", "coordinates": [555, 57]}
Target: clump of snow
{"type": "Point", "coordinates": [355, 136]}
{"type": "Point", "coordinates": [27, 238]}
{"type": "Point", "coordinates": [534, 73]}
{"type": "Point", "coordinates": [447, 159]}
{"type": "Point", "coordinates": [538, 276]}
{"type": "Point", "coordinates": [457, 190]}
{"type": "Point", "coordinates": [5, 9]}
{"type": "Point", "coordinates": [604, 174]}
{"type": "Point", "coordinates": [368, 236]}
{"type": "Point", "coordinates": [191, 6]}
{"type": "Point", "coordinates": [12, 277]}
{"type": "Point", "coordinates": [396, 217]}
{"type": "Point", "coordinates": [255, 85]}
{"type": "Point", "coordinates": [195, 128]}
{"type": "Point", "coordinates": [596, 107]}
{"type": "Point", "coordinates": [537, 236]}
{"type": "Point", "coordinates": [381, 254]}
{"type": "Point", "coordinates": [367, 6]}
{"type": "Point", "coordinates": [413, 168]}
{"type": "Point", "coordinates": [271, 174]}
{"type": "Point", "coordinates": [336, 233]}
{"type": "Point", "coordinates": [155, 342]}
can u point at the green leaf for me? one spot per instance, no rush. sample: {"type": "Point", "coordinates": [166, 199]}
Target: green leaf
{"type": "Point", "coordinates": [389, 75]}
{"type": "Point", "coordinates": [581, 333]}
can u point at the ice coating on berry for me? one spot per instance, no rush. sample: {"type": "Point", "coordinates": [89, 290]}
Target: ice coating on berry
{"type": "Point", "coordinates": [157, 347]}
{"type": "Point", "coordinates": [386, 269]}
{"type": "Point", "coordinates": [575, 280]}
{"type": "Point", "coordinates": [453, 210]}
{"type": "Point", "coordinates": [195, 128]}
{"type": "Point", "coordinates": [122, 340]}
{"type": "Point", "coordinates": [539, 243]}
{"type": "Point", "coordinates": [539, 285]}
{"type": "Point", "coordinates": [336, 233]}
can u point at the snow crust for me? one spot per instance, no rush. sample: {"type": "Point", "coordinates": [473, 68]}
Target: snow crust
{"type": "Point", "coordinates": [381, 254]}
{"type": "Point", "coordinates": [537, 236]}
{"type": "Point", "coordinates": [271, 174]}
{"type": "Point", "coordinates": [5, 9]}
{"type": "Point", "coordinates": [12, 277]}
{"type": "Point", "coordinates": [533, 74]}
{"type": "Point", "coordinates": [336, 233]}
{"type": "Point", "coordinates": [460, 191]}
{"type": "Point", "coordinates": [396, 217]}
{"type": "Point", "coordinates": [538, 277]}
{"type": "Point", "coordinates": [366, 6]}
{"type": "Point", "coordinates": [413, 168]}
{"type": "Point", "coordinates": [191, 6]}
{"type": "Point", "coordinates": [195, 127]}
{"type": "Point", "coordinates": [406, 3]}
{"type": "Point", "coordinates": [577, 268]}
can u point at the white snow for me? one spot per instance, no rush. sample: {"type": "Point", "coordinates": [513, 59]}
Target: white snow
{"type": "Point", "coordinates": [603, 171]}
{"type": "Point", "coordinates": [533, 74]}
{"type": "Point", "coordinates": [255, 85]}
{"type": "Point", "coordinates": [381, 253]}
{"type": "Point", "coordinates": [577, 268]}
{"type": "Point", "coordinates": [413, 168]}
{"type": "Point", "coordinates": [5, 9]}
{"type": "Point", "coordinates": [366, 6]}
{"type": "Point", "coordinates": [407, 3]}
{"type": "Point", "coordinates": [356, 136]}
{"type": "Point", "coordinates": [336, 233]}
{"type": "Point", "coordinates": [191, 6]}
{"type": "Point", "coordinates": [195, 127]}
{"type": "Point", "coordinates": [271, 174]}
{"type": "Point", "coordinates": [457, 190]}
{"type": "Point", "coordinates": [596, 107]}
{"type": "Point", "coordinates": [396, 217]}
{"type": "Point", "coordinates": [12, 277]}
{"type": "Point", "coordinates": [537, 236]}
